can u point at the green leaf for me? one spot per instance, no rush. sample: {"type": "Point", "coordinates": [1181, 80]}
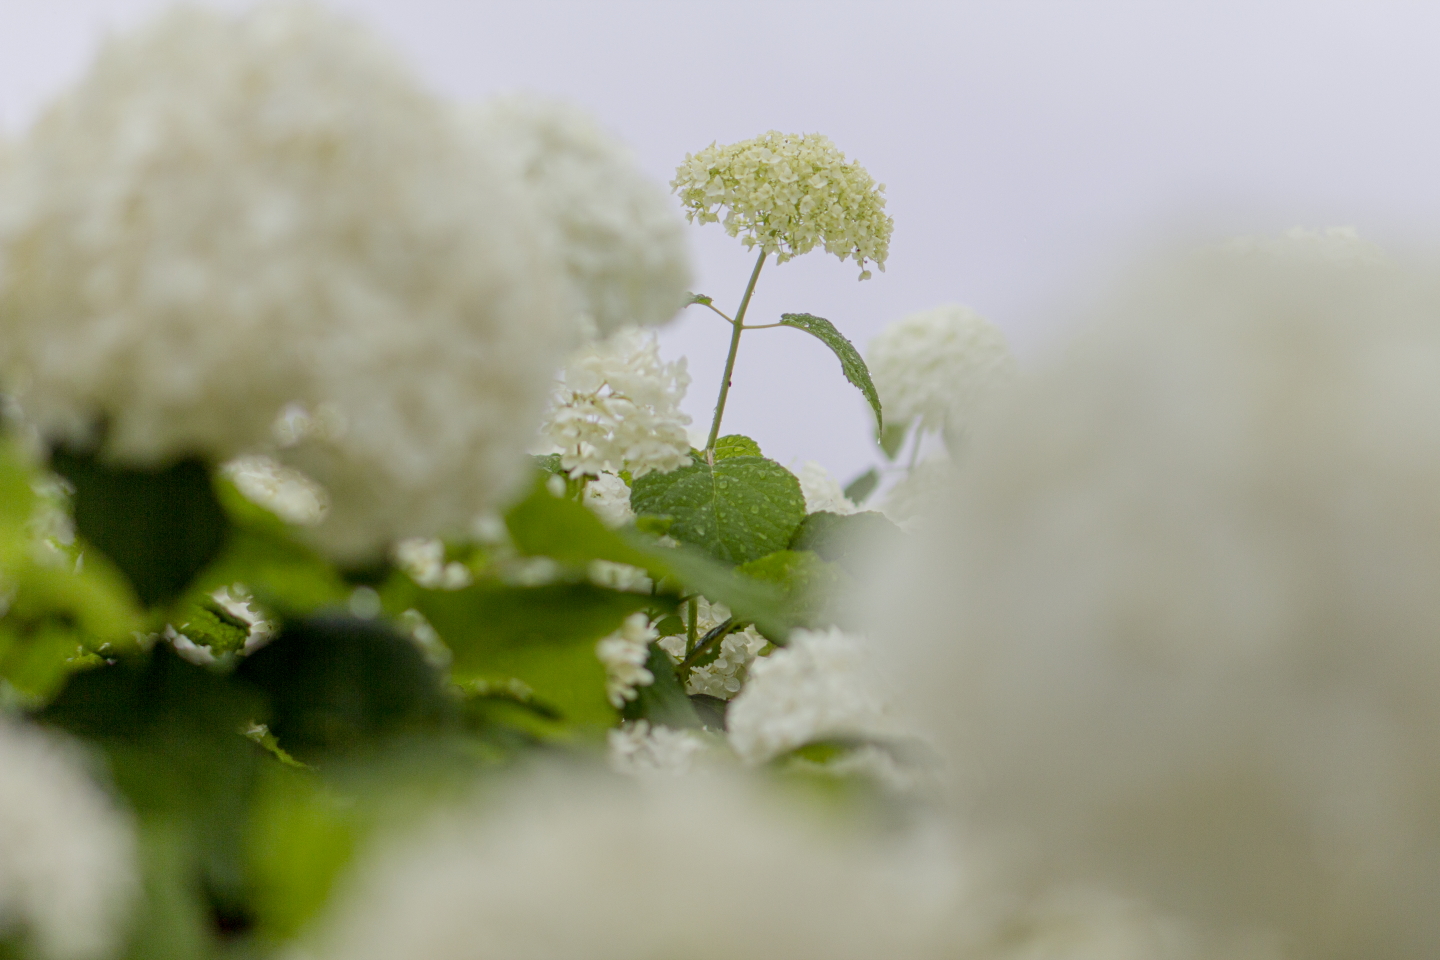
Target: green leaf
{"type": "Point", "coordinates": [549, 526]}
{"type": "Point", "coordinates": [736, 445]}
{"type": "Point", "coordinates": [740, 509]}
{"type": "Point", "coordinates": [711, 711]}
{"type": "Point", "coordinates": [17, 504]}
{"type": "Point", "coordinates": [851, 541]}
{"type": "Point", "coordinates": [892, 438]}
{"type": "Point", "coordinates": [857, 491]}
{"type": "Point", "coordinates": [699, 298]}
{"type": "Point", "coordinates": [664, 701]}
{"type": "Point", "coordinates": [337, 683]}
{"type": "Point", "coordinates": [549, 464]}
{"type": "Point", "coordinates": [851, 363]}
{"type": "Point", "coordinates": [211, 625]}
{"type": "Point", "coordinates": [160, 526]}
{"type": "Point", "coordinates": [262, 553]}
{"type": "Point", "coordinates": [810, 583]}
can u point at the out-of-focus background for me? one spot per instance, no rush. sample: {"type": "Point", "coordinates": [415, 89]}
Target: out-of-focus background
{"type": "Point", "coordinates": [1028, 147]}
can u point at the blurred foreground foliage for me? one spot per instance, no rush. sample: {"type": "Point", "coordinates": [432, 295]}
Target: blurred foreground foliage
{"type": "Point", "coordinates": [257, 767]}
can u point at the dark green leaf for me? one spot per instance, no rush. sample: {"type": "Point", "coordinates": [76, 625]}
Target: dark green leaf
{"type": "Point", "coordinates": [892, 438]}
{"type": "Point", "coordinates": [851, 363]}
{"type": "Point", "coordinates": [171, 731]}
{"type": "Point", "coordinates": [736, 445]}
{"type": "Point", "coordinates": [662, 702]}
{"type": "Point", "coordinates": [852, 541]}
{"type": "Point", "coordinates": [711, 711]}
{"type": "Point", "coordinates": [857, 491]}
{"type": "Point", "coordinates": [738, 510]}
{"type": "Point", "coordinates": [160, 526]}
{"type": "Point", "coordinates": [336, 683]}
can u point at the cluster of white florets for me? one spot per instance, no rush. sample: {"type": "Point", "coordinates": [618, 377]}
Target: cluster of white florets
{"type": "Point", "coordinates": [640, 749]}
{"type": "Point", "coordinates": [788, 193]}
{"type": "Point", "coordinates": [820, 684]}
{"type": "Point", "coordinates": [68, 872]}
{"type": "Point", "coordinates": [1178, 627]}
{"type": "Point", "coordinates": [621, 244]}
{"type": "Point", "coordinates": [937, 368]}
{"type": "Point", "coordinates": [619, 409]}
{"type": "Point", "coordinates": [406, 279]}
{"type": "Point", "coordinates": [624, 653]}
{"type": "Point", "coordinates": [822, 492]}
{"type": "Point", "coordinates": [767, 882]}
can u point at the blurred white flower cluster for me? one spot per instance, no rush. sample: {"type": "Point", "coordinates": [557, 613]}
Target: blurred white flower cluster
{"type": "Point", "coordinates": [620, 242]}
{"type": "Point", "coordinates": [707, 868]}
{"type": "Point", "coordinates": [68, 870]}
{"type": "Point", "coordinates": [619, 409]}
{"type": "Point", "coordinates": [624, 653]}
{"type": "Point", "coordinates": [937, 368]}
{"type": "Point", "coordinates": [788, 193]}
{"type": "Point", "coordinates": [404, 277]}
{"type": "Point", "coordinates": [1176, 629]}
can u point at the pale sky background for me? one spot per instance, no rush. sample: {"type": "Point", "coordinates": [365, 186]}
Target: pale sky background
{"type": "Point", "coordinates": [1029, 148]}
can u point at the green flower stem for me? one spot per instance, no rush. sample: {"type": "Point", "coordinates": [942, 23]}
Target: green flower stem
{"type": "Point", "coordinates": [690, 632]}
{"type": "Point", "coordinates": [737, 327]}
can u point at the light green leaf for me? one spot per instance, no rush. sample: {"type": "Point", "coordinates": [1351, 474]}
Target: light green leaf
{"type": "Point", "coordinates": [736, 445]}
{"type": "Point", "coordinates": [851, 363]}
{"type": "Point", "coordinates": [699, 298]}
{"type": "Point", "coordinates": [809, 582]}
{"type": "Point", "coordinates": [739, 510]}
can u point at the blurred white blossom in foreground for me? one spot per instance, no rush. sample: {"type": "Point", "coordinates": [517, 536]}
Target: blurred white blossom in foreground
{"type": "Point", "coordinates": [619, 409]}
{"type": "Point", "coordinates": [579, 866]}
{"type": "Point", "coordinates": [640, 748]}
{"type": "Point", "coordinates": [67, 857]}
{"type": "Point", "coordinates": [622, 245]}
{"type": "Point", "coordinates": [1178, 629]}
{"type": "Point", "coordinates": [379, 269]}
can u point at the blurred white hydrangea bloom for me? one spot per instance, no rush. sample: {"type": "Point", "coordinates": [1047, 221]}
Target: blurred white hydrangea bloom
{"type": "Point", "coordinates": [624, 653]}
{"type": "Point", "coordinates": [788, 193]}
{"type": "Point", "coordinates": [585, 868]}
{"type": "Point", "coordinates": [68, 872]}
{"type": "Point", "coordinates": [822, 683]}
{"type": "Point", "coordinates": [639, 749]}
{"type": "Point", "coordinates": [609, 496]}
{"type": "Point", "coordinates": [823, 492]}
{"type": "Point", "coordinates": [423, 558]}
{"type": "Point", "coordinates": [725, 675]}
{"type": "Point", "coordinates": [621, 243]}
{"type": "Point", "coordinates": [619, 408]}
{"type": "Point", "coordinates": [206, 230]}
{"type": "Point", "coordinates": [1178, 626]}
{"type": "Point", "coordinates": [939, 367]}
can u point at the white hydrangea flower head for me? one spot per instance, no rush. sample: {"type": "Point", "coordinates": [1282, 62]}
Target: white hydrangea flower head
{"type": "Point", "coordinates": [586, 868]}
{"type": "Point", "coordinates": [788, 193]}
{"type": "Point", "coordinates": [206, 230]}
{"type": "Point", "coordinates": [68, 872]}
{"type": "Point", "coordinates": [639, 749]}
{"type": "Point", "coordinates": [619, 408]}
{"type": "Point", "coordinates": [940, 368]}
{"type": "Point", "coordinates": [619, 576]}
{"type": "Point", "coordinates": [1178, 625]}
{"type": "Point", "coordinates": [608, 495]}
{"type": "Point", "coordinates": [823, 492]}
{"type": "Point", "coordinates": [624, 653]}
{"type": "Point", "coordinates": [708, 616]}
{"type": "Point", "coordinates": [622, 245]}
{"type": "Point", "coordinates": [822, 683]}
{"type": "Point", "coordinates": [725, 675]}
